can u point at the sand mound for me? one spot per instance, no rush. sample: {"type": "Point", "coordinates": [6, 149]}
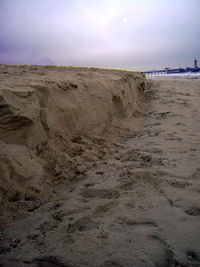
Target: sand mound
{"type": "Point", "coordinates": [52, 122]}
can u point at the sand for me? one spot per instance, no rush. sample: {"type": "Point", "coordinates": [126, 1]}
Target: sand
{"type": "Point", "coordinates": [53, 122]}
{"type": "Point", "coordinates": [124, 194]}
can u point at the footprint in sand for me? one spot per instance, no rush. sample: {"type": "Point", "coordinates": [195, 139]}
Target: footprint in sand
{"type": "Point", "coordinates": [49, 261]}
{"type": "Point", "coordinates": [146, 177]}
{"type": "Point", "coordinates": [131, 222]}
{"type": "Point", "coordinates": [100, 193]}
{"type": "Point", "coordinates": [59, 215]}
{"type": "Point", "coordinates": [105, 208]}
{"type": "Point", "coordinates": [83, 224]}
{"type": "Point", "coordinates": [193, 211]}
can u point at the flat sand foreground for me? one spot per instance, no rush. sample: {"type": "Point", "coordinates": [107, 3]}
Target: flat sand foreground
{"type": "Point", "coordinates": [138, 206]}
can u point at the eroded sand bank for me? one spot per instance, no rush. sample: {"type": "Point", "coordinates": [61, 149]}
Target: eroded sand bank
{"type": "Point", "coordinates": [140, 206]}
{"type": "Point", "coordinates": [53, 122]}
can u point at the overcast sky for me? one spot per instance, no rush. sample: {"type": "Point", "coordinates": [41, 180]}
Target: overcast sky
{"type": "Point", "coordinates": [130, 34]}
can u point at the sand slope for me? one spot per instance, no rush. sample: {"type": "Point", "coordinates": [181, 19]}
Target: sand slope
{"type": "Point", "coordinates": [139, 207]}
{"type": "Point", "coordinates": [52, 121]}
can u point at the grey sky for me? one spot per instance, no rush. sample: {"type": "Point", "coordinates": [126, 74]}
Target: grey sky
{"type": "Point", "coordinates": [130, 34]}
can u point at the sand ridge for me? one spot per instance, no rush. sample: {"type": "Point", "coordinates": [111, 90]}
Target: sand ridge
{"type": "Point", "coordinates": [53, 122]}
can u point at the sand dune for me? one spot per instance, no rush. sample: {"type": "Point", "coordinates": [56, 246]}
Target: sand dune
{"type": "Point", "coordinates": [52, 123]}
{"type": "Point", "coordinates": [138, 205]}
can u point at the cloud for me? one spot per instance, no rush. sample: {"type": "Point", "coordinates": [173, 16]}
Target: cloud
{"type": "Point", "coordinates": [136, 34]}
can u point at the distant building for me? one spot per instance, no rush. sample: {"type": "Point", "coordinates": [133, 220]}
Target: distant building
{"type": "Point", "coordinates": [195, 63]}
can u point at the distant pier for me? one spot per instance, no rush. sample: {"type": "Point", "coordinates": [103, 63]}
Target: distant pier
{"type": "Point", "coordinates": [172, 71]}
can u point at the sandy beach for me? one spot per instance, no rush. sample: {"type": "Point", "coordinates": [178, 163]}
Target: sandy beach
{"type": "Point", "coordinates": [98, 168]}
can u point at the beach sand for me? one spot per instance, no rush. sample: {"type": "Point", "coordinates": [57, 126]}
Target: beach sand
{"type": "Point", "coordinates": [118, 185]}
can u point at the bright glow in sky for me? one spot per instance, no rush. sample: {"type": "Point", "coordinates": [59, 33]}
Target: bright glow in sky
{"type": "Point", "coordinates": [130, 34]}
